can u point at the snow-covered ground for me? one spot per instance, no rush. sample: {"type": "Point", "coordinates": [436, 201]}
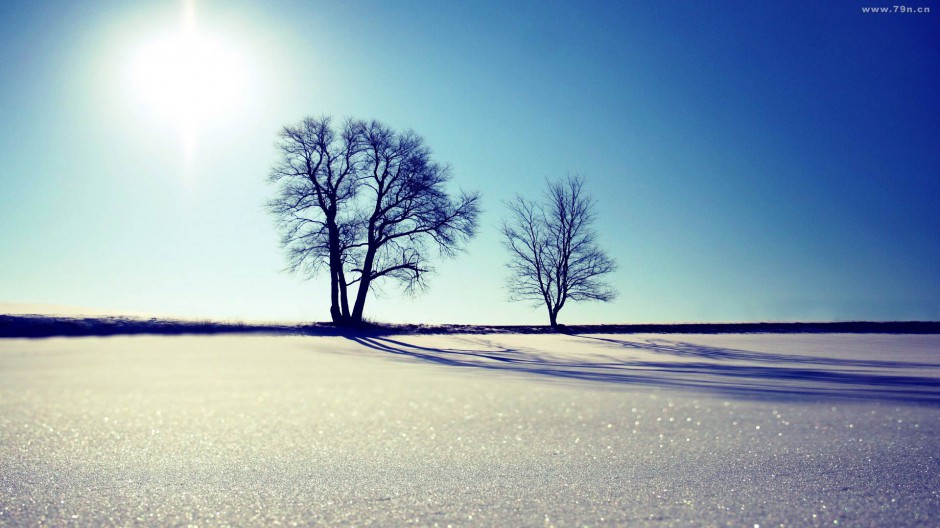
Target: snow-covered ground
{"type": "Point", "coordinates": [491, 430]}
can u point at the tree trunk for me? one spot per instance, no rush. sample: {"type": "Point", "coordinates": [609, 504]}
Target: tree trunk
{"type": "Point", "coordinates": [339, 309]}
{"type": "Point", "coordinates": [364, 282]}
{"type": "Point", "coordinates": [334, 297]}
{"type": "Point", "coordinates": [552, 318]}
{"type": "Point", "coordinates": [335, 315]}
{"type": "Point", "coordinates": [343, 297]}
{"type": "Point", "coordinates": [358, 308]}
{"type": "Point", "coordinates": [339, 305]}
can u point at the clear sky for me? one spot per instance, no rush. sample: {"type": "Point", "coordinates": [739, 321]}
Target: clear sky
{"type": "Point", "coordinates": [751, 160]}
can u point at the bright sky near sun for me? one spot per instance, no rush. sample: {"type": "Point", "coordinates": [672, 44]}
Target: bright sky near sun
{"type": "Point", "coordinates": [189, 76]}
{"type": "Point", "coordinates": [751, 160]}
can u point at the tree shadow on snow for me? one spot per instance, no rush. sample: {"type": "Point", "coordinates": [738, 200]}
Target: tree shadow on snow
{"type": "Point", "coordinates": [688, 366]}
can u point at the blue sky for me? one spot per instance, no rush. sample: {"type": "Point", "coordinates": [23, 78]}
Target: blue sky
{"type": "Point", "coordinates": [751, 160]}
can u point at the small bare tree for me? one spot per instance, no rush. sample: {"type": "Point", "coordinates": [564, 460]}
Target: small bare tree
{"type": "Point", "coordinates": [368, 203]}
{"type": "Point", "coordinates": [553, 254]}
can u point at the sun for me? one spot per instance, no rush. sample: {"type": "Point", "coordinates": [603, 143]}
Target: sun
{"type": "Point", "coordinates": [188, 77]}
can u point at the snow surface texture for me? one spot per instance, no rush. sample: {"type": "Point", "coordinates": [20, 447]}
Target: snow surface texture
{"type": "Point", "coordinates": [684, 430]}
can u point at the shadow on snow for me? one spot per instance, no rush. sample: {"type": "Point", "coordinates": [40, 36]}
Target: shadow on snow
{"type": "Point", "coordinates": [689, 366]}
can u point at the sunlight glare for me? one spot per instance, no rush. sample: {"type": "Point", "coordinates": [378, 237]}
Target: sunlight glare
{"type": "Point", "coordinates": [189, 78]}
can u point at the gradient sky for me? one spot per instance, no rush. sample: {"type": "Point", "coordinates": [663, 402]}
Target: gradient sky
{"type": "Point", "coordinates": [751, 160]}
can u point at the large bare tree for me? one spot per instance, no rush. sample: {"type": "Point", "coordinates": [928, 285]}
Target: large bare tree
{"type": "Point", "coordinates": [368, 203]}
{"type": "Point", "coordinates": [317, 177]}
{"type": "Point", "coordinates": [553, 254]}
{"type": "Point", "coordinates": [410, 214]}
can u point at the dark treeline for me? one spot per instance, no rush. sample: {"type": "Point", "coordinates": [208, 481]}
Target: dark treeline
{"type": "Point", "coordinates": [33, 326]}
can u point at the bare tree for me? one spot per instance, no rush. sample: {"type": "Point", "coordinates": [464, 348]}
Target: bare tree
{"type": "Point", "coordinates": [411, 213]}
{"type": "Point", "coordinates": [317, 177]}
{"type": "Point", "coordinates": [369, 203]}
{"type": "Point", "coordinates": [554, 257]}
